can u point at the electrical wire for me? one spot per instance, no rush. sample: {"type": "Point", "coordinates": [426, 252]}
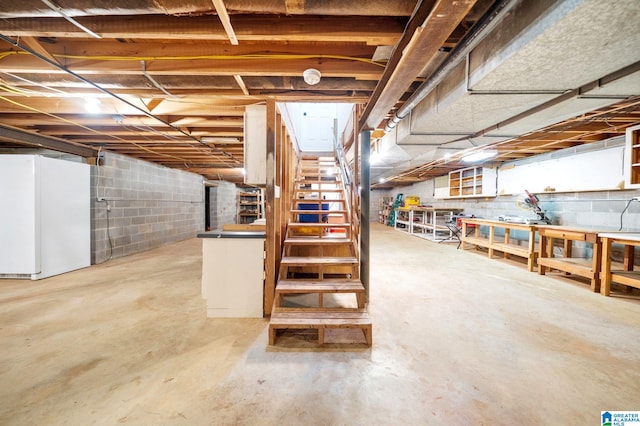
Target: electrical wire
{"type": "Point", "coordinates": [253, 56]}
{"type": "Point", "coordinates": [88, 128]}
{"type": "Point", "coordinates": [148, 129]}
{"type": "Point", "coordinates": [623, 211]}
{"type": "Point", "coordinates": [27, 50]}
{"type": "Point", "coordinates": [107, 206]}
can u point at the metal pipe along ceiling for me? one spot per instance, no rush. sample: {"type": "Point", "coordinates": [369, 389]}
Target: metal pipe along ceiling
{"type": "Point", "coordinates": [483, 27]}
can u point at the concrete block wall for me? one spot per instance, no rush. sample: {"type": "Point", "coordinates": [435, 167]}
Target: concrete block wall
{"type": "Point", "coordinates": [145, 206]}
{"type": "Point", "coordinates": [223, 204]}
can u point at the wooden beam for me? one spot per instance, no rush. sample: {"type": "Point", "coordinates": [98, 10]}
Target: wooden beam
{"type": "Point", "coordinates": [285, 67]}
{"type": "Point", "coordinates": [238, 79]}
{"type": "Point", "coordinates": [374, 30]}
{"type": "Point", "coordinates": [198, 48]}
{"type": "Point", "coordinates": [221, 10]}
{"type": "Point", "coordinates": [36, 46]}
{"type": "Point", "coordinates": [427, 39]}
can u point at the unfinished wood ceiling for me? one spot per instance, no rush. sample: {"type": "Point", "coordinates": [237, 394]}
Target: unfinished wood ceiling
{"type": "Point", "coordinates": [167, 81]}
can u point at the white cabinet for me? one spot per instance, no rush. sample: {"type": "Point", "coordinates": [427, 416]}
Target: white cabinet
{"type": "Point", "coordinates": [255, 145]}
{"type": "Point", "coordinates": [632, 166]}
{"type": "Point", "coordinates": [233, 274]}
{"type": "Point", "coordinates": [472, 182]}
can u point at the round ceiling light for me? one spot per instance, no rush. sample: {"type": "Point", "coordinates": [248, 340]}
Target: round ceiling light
{"type": "Point", "coordinates": [311, 76]}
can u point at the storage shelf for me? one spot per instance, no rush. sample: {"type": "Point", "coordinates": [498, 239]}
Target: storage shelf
{"type": "Point", "coordinates": [249, 207]}
{"type": "Point", "coordinates": [632, 169]}
{"type": "Point", "coordinates": [469, 182]}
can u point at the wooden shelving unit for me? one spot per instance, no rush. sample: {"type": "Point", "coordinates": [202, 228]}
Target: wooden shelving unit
{"type": "Point", "coordinates": [384, 209]}
{"type": "Point", "coordinates": [632, 175]}
{"type": "Point", "coordinates": [426, 222]}
{"type": "Point", "coordinates": [249, 206]}
{"type": "Point", "coordinates": [472, 182]}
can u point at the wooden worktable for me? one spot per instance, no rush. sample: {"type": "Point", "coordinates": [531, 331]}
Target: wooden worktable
{"type": "Point", "coordinates": [584, 267]}
{"type": "Point", "coordinates": [492, 243]}
{"type": "Point", "coordinates": [627, 276]}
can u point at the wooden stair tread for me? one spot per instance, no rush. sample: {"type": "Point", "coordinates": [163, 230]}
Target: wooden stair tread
{"type": "Point", "coordinates": [318, 190]}
{"type": "Point", "coordinates": [301, 286]}
{"type": "Point", "coordinates": [318, 260]}
{"type": "Point", "coordinates": [316, 241]}
{"type": "Point", "coordinates": [360, 317]}
{"type": "Point", "coordinates": [316, 201]}
{"type": "Point", "coordinates": [317, 182]}
{"type": "Point", "coordinates": [318, 224]}
{"type": "Point", "coordinates": [318, 211]}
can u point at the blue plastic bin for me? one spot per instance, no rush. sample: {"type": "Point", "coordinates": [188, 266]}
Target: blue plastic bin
{"type": "Point", "coordinates": [312, 218]}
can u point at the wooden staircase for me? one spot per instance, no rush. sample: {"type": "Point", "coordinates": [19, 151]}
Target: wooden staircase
{"type": "Point", "coordinates": [319, 296]}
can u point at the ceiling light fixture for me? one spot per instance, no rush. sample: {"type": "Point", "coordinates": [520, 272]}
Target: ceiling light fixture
{"type": "Point", "coordinates": [92, 105]}
{"type": "Point", "coordinates": [479, 156]}
{"type": "Point", "coordinates": [311, 76]}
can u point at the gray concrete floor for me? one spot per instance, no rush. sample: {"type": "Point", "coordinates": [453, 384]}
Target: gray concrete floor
{"type": "Point", "coordinates": [458, 339]}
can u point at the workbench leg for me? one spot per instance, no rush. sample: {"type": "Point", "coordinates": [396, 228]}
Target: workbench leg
{"type": "Point", "coordinates": [568, 252]}
{"type": "Point", "coordinates": [605, 275]}
{"type": "Point", "coordinates": [629, 258]}
{"type": "Point", "coordinates": [491, 239]}
{"type": "Point", "coordinates": [596, 265]}
{"type": "Point", "coordinates": [544, 252]}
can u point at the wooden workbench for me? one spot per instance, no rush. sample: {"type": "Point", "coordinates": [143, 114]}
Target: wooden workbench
{"type": "Point", "coordinates": [627, 276]}
{"type": "Point", "coordinates": [584, 267]}
{"type": "Point", "coordinates": [492, 243]}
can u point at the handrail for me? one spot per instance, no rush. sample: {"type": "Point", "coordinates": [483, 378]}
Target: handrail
{"type": "Point", "coordinates": [350, 191]}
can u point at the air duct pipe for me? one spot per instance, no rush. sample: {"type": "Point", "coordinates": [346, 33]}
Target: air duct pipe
{"type": "Point", "coordinates": [482, 28]}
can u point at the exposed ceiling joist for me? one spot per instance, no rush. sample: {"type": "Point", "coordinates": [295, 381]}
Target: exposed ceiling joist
{"type": "Point", "coordinates": [226, 22]}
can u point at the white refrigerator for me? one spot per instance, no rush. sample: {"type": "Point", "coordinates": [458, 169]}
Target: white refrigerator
{"type": "Point", "coordinates": [45, 216]}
